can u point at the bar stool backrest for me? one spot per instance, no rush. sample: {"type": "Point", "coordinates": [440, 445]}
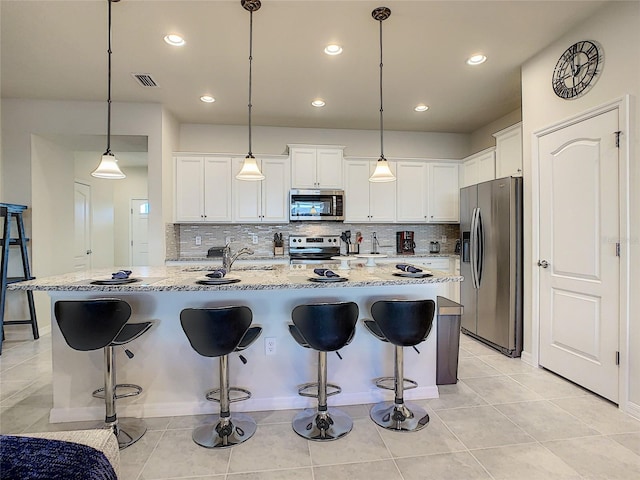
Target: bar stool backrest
{"type": "Point", "coordinates": [404, 323]}
{"type": "Point", "coordinates": [91, 324]}
{"type": "Point", "coordinates": [326, 327]}
{"type": "Point", "coordinates": [214, 332]}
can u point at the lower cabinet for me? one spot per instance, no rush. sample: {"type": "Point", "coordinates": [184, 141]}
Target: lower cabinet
{"type": "Point", "coordinates": [367, 201]}
{"type": "Point", "coordinates": [266, 200]}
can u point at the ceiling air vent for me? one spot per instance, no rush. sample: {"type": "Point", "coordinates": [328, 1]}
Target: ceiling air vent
{"type": "Point", "coordinates": [145, 80]}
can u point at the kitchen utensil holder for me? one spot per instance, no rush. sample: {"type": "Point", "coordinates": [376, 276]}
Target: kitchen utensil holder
{"type": "Point", "coordinates": [278, 250]}
{"type": "Point", "coordinates": [353, 248]}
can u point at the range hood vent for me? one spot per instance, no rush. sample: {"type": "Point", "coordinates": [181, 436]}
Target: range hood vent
{"type": "Point", "coordinates": [145, 80]}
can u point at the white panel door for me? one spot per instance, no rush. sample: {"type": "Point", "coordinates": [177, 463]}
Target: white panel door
{"type": "Point", "coordinates": [82, 227]}
{"type": "Point", "coordinates": [139, 232]}
{"type": "Point", "coordinates": [579, 228]}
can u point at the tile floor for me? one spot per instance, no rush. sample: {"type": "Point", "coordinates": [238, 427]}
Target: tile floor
{"type": "Point", "coordinates": [503, 420]}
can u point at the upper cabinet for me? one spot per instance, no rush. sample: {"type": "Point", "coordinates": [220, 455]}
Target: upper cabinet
{"type": "Point", "coordinates": [427, 191]}
{"type": "Point", "coordinates": [479, 167]}
{"type": "Point", "coordinates": [366, 201]}
{"type": "Point", "coordinates": [315, 167]}
{"type": "Point", "coordinates": [509, 151]}
{"type": "Point", "coordinates": [266, 200]}
{"type": "Point", "coordinates": [203, 189]}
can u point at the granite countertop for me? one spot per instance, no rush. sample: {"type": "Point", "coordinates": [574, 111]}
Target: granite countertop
{"type": "Point", "coordinates": [285, 258]}
{"type": "Point", "coordinates": [252, 277]}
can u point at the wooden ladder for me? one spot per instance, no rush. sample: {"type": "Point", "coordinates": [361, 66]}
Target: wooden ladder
{"type": "Point", "coordinates": [7, 211]}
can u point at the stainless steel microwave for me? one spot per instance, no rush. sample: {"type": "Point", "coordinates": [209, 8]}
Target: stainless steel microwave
{"type": "Point", "coordinates": [316, 205]}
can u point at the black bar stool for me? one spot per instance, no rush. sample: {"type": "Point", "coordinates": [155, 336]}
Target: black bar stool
{"type": "Point", "coordinates": [325, 327]}
{"type": "Point", "coordinates": [217, 332]}
{"type": "Point", "coordinates": [89, 325]}
{"type": "Point", "coordinates": [404, 323]}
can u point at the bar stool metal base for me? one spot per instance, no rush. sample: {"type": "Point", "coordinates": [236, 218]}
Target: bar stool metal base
{"type": "Point", "coordinates": [322, 426]}
{"type": "Point", "coordinates": [399, 417]}
{"type": "Point", "coordinates": [227, 432]}
{"type": "Point", "coordinates": [127, 430]}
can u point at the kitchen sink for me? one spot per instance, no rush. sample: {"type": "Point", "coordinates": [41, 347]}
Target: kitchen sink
{"type": "Point", "coordinates": [238, 268]}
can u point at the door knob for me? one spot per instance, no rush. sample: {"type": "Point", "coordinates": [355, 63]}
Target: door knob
{"type": "Point", "coordinates": [543, 263]}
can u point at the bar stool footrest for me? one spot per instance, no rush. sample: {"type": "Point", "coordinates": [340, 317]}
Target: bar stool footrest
{"type": "Point", "coordinates": [388, 383]}
{"type": "Point", "coordinates": [311, 389]}
{"type": "Point", "coordinates": [134, 390]}
{"type": "Point", "coordinates": [214, 395]}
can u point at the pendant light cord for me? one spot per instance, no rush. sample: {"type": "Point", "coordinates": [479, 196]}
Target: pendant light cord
{"type": "Point", "coordinates": [108, 152]}
{"type": "Point", "coordinates": [381, 110]}
{"type": "Point", "coordinates": [250, 154]}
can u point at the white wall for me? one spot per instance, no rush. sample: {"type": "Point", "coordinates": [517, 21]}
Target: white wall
{"type": "Point", "coordinates": [134, 186]}
{"type": "Point", "coordinates": [615, 26]}
{"type": "Point", "coordinates": [365, 143]}
{"type": "Point", "coordinates": [21, 118]}
{"type": "Point", "coordinates": [483, 137]}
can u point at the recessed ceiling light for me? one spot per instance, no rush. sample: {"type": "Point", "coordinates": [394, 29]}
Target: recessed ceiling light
{"type": "Point", "coordinates": [421, 108]}
{"type": "Point", "coordinates": [174, 39]}
{"type": "Point", "coordinates": [476, 59]}
{"type": "Point", "coordinates": [207, 99]}
{"type": "Point", "coordinates": [318, 102]}
{"type": "Point", "coordinates": [333, 49]}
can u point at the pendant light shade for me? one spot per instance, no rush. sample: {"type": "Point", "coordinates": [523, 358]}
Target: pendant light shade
{"type": "Point", "coordinates": [382, 173]}
{"type": "Point", "coordinates": [250, 170]}
{"type": "Point", "coordinates": [108, 167]}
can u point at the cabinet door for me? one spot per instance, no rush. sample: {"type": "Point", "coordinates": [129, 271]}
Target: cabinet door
{"type": "Point", "coordinates": [189, 189]}
{"type": "Point", "coordinates": [443, 192]}
{"type": "Point", "coordinates": [275, 190]}
{"type": "Point", "coordinates": [470, 172]}
{"type": "Point", "coordinates": [412, 191]}
{"type": "Point", "coordinates": [217, 189]}
{"type": "Point", "coordinates": [303, 168]}
{"type": "Point", "coordinates": [382, 197]}
{"type": "Point", "coordinates": [329, 168]}
{"type": "Point", "coordinates": [356, 190]}
{"type": "Point", "coordinates": [487, 167]}
{"type": "Point", "coordinates": [247, 197]}
{"type": "Point", "coordinates": [509, 152]}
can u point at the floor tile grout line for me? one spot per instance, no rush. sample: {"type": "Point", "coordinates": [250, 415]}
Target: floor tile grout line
{"type": "Point", "coordinates": [153, 450]}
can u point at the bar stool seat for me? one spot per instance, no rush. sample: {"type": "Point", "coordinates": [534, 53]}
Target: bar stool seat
{"type": "Point", "coordinates": [403, 323]}
{"type": "Point", "coordinates": [218, 332]}
{"type": "Point", "coordinates": [324, 327]}
{"type": "Point", "coordinates": [88, 325]}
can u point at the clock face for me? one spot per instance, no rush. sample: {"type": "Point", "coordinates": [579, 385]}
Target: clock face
{"type": "Point", "coordinates": [577, 69]}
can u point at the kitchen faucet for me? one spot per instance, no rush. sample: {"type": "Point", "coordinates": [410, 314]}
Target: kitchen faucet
{"type": "Point", "coordinates": [228, 259]}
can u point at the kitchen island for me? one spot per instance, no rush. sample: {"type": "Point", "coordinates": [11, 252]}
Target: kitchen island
{"type": "Point", "coordinates": [175, 378]}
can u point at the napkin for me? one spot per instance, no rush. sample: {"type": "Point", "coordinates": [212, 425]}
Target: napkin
{"type": "Point", "coordinates": [218, 273]}
{"type": "Point", "coordinates": [408, 268]}
{"type": "Point", "coordinates": [121, 275]}
{"type": "Point", "coordinates": [325, 272]}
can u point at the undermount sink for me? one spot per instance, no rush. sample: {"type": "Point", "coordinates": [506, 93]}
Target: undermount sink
{"type": "Point", "coordinates": [238, 268]}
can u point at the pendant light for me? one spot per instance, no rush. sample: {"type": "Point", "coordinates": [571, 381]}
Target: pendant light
{"type": "Point", "coordinates": [382, 173]}
{"type": "Point", "coordinates": [250, 170]}
{"type": "Point", "coordinates": [108, 167]}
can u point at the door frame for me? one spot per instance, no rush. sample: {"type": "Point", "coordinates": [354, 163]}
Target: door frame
{"type": "Point", "coordinates": [622, 104]}
{"type": "Point", "coordinates": [130, 241]}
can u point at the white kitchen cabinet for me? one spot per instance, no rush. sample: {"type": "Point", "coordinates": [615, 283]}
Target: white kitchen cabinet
{"type": "Point", "coordinates": [264, 201]}
{"type": "Point", "coordinates": [367, 201]}
{"type": "Point", "coordinates": [427, 191]}
{"type": "Point", "coordinates": [479, 167]}
{"type": "Point", "coordinates": [315, 167]}
{"type": "Point", "coordinates": [203, 189]}
{"type": "Point", "coordinates": [509, 151]}
{"type": "Point", "coordinates": [444, 193]}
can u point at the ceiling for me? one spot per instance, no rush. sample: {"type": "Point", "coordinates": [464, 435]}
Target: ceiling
{"type": "Point", "coordinates": [58, 50]}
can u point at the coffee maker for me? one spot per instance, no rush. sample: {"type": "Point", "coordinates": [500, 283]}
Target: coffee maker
{"type": "Point", "coordinates": [404, 243]}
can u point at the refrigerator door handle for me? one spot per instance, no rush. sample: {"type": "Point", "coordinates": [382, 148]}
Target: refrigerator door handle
{"type": "Point", "coordinates": [474, 248]}
{"type": "Point", "coordinates": [480, 253]}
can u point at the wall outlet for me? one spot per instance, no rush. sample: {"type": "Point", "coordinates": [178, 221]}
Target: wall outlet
{"type": "Point", "coordinates": [254, 239]}
{"type": "Point", "coordinates": [443, 239]}
{"type": "Point", "coordinates": [198, 240]}
{"type": "Point", "coordinates": [270, 346]}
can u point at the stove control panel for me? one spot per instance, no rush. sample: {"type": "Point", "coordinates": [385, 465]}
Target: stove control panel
{"type": "Point", "coordinates": [319, 241]}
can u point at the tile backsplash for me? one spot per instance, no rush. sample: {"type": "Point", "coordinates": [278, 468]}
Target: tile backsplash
{"type": "Point", "coordinates": [181, 238]}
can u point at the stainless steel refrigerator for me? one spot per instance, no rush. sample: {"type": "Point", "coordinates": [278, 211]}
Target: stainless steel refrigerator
{"type": "Point", "coordinates": [491, 263]}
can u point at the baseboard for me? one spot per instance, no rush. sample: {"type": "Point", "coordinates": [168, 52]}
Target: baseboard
{"type": "Point", "coordinates": [527, 358]}
{"type": "Point", "coordinates": [203, 407]}
{"type": "Point", "coordinates": [633, 410]}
